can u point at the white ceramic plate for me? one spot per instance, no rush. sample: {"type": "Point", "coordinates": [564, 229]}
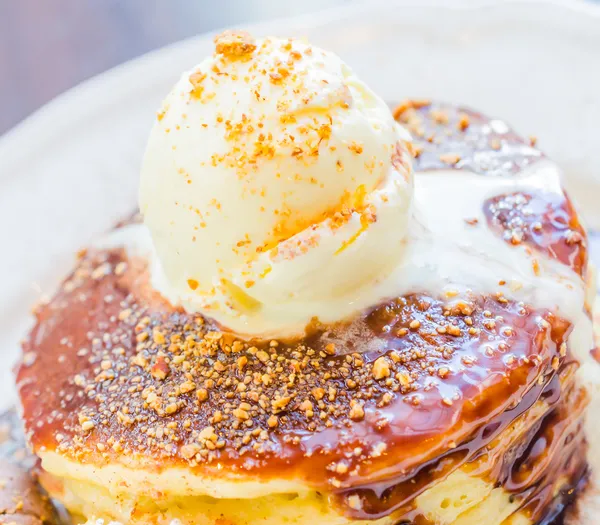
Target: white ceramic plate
{"type": "Point", "coordinates": [70, 171]}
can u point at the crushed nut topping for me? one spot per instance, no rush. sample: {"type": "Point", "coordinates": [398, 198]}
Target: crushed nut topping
{"type": "Point", "coordinates": [235, 44]}
{"type": "Point", "coordinates": [164, 384]}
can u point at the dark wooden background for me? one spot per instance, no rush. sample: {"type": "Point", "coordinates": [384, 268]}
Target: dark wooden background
{"type": "Point", "coordinates": [48, 46]}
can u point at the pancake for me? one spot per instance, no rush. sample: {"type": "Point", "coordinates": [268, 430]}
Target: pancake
{"type": "Point", "coordinates": [448, 408]}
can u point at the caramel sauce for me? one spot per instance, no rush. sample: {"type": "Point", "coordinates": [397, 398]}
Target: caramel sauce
{"type": "Point", "coordinates": [447, 136]}
{"type": "Point", "coordinates": [380, 499]}
{"type": "Point", "coordinates": [372, 413]}
{"type": "Point", "coordinates": [457, 377]}
{"type": "Point", "coordinates": [553, 514]}
{"type": "Point", "coordinates": [545, 221]}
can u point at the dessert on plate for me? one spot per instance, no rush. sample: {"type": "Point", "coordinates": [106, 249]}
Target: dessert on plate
{"type": "Point", "coordinates": [326, 312]}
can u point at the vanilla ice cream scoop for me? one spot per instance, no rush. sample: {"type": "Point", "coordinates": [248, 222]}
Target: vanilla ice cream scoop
{"type": "Point", "coordinates": [276, 186]}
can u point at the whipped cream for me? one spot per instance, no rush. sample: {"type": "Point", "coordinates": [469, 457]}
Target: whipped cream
{"type": "Point", "coordinates": [276, 186]}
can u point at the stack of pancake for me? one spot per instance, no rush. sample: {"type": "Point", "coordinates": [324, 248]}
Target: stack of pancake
{"type": "Point", "coordinates": [457, 409]}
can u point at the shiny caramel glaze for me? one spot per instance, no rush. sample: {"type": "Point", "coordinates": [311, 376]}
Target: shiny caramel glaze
{"type": "Point", "coordinates": [485, 449]}
{"type": "Point", "coordinates": [459, 138]}
{"type": "Point", "coordinates": [12, 449]}
{"type": "Point", "coordinates": [106, 375]}
{"type": "Point", "coordinates": [371, 412]}
{"type": "Point", "coordinates": [556, 445]}
{"type": "Point", "coordinates": [561, 509]}
{"type": "Point", "coordinates": [450, 136]}
{"type": "Point", "coordinates": [544, 220]}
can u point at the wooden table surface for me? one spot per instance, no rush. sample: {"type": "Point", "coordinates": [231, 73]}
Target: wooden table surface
{"type": "Point", "coordinates": [48, 46]}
